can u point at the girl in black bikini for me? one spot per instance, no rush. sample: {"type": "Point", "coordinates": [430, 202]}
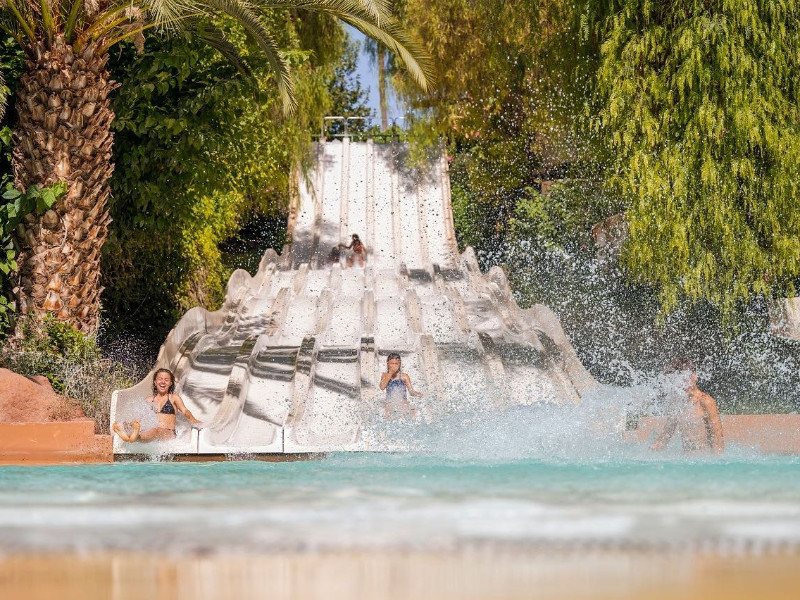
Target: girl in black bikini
{"type": "Point", "coordinates": [165, 403]}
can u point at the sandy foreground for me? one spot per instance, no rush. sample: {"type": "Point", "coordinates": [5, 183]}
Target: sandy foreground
{"type": "Point", "coordinates": [466, 575]}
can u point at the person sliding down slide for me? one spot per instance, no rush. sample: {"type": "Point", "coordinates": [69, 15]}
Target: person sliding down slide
{"type": "Point", "coordinates": [398, 386]}
{"type": "Point", "coordinates": [359, 250]}
{"type": "Point", "coordinates": [165, 403]}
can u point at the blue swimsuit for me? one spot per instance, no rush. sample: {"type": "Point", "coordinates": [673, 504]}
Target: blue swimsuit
{"type": "Point", "coordinates": [396, 390]}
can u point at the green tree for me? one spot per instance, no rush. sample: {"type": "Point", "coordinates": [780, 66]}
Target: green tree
{"type": "Point", "coordinates": [347, 97]}
{"type": "Point", "coordinates": [198, 151]}
{"type": "Point", "coordinates": [64, 117]}
{"type": "Point", "coordinates": [699, 103]}
{"type": "Point", "coordinates": [378, 56]}
{"type": "Point", "coordinates": [512, 82]}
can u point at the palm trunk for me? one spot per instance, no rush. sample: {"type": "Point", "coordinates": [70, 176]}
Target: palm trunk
{"type": "Point", "coordinates": [381, 57]}
{"type": "Point", "coordinates": [64, 134]}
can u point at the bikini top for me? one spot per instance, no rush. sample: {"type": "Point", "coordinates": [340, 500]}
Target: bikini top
{"type": "Point", "coordinates": [168, 408]}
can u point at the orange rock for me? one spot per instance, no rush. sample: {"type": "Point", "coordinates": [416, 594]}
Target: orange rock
{"type": "Point", "coordinates": [32, 400]}
{"type": "Point", "coordinates": [40, 379]}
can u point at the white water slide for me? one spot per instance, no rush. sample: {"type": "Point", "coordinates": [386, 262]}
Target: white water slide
{"type": "Point", "coordinates": [292, 360]}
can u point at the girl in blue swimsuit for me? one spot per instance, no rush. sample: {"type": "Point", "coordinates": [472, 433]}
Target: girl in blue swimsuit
{"type": "Point", "coordinates": [398, 387]}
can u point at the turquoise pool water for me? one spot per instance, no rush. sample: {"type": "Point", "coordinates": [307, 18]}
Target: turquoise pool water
{"type": "Point", "coordinates": [368, 501]}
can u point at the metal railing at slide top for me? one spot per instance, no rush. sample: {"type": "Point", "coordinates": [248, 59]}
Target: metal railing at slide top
{"type": "Point", "coordinates": [393, 132]}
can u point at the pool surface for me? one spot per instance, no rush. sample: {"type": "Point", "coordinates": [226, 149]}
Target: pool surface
{"type": "Point", "coordinates": [412, 502]}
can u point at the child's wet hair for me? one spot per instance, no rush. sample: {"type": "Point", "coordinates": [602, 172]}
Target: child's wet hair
{"type": "Point", "coordinates": [393, 356]}
{"type": "Point", "coordinates": [171, 389]}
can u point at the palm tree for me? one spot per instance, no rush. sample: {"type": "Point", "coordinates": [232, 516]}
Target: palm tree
{"type": "Point", "coordinates": [3, 95]}
{"type": "Point", "coordinates": [64, 117]}
{"type": "Point", "coordinates": [377, 53]}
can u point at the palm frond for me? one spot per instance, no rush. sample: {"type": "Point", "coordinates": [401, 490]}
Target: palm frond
{"type": "Point", "coordinates": [377, 10]}
{"type": "Point", "coordinates": [103, 22]}
{"type": "Point", "coordinates": [216, 38]}
{"type": "Point", "coordinates": [408, 50]}
{"type": "Point", "coordinates": [132, 24]}
{"type": "Point", "coordinates": [247, 18]}
{"type": "Point", "coordinates": [128, 33]}
{"type": "Point", "coordinates": [12, 27]}
{"type": "Point", "coordinates": [72, 19]}
{"type": "Point", "coordinates": [373, 18]}
{"type": "Point", "coordinates": [168, 13]}
{"type": "Point", "coordinates": [48, 21]}
{"type": "Point", "coordinates": [23, 20]}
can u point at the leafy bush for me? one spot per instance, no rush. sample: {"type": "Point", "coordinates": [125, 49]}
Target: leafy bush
{"type": "Point", "coordinates": [52, 337]}
{"type": "Point", "coordinates": [562, 218]}
{"type": "Point", "coordinates": [198, 150]}
{"type": "Point", "coordinates": [71, 361]}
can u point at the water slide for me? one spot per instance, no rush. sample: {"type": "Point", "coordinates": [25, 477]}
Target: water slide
{"type": "Point", "coordinates": [291, 362]}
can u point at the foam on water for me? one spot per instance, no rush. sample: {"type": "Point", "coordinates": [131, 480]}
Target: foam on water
{"type": "Point", "coordinates": [471, 427]}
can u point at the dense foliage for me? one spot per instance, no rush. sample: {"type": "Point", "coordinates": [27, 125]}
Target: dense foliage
{"type": "Point", "coordinates": [513, 81]}
{"type": "Point", "coordinates": [687, 112]}
{"type": "Point", "coordinates": [700, 104]}
{"type": "Point", "coordinates": [680, 115]}
{"type": "Point", "coordinates": [199, 153]}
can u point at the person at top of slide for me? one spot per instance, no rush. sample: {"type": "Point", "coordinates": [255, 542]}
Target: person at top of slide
{"type": "Point", "coordinates": [359, 250]}
{"type": "Point", "coordinates": [398, 386]}
{"type": "Point", "coordinates": [166, 404]}
{"type": "Point", "coordinates": [690, 411]}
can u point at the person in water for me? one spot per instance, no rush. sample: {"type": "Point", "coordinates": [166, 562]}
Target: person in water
{"type": "Point", "coordinates": [359, 250]}
{"type": "Point", "coordinates": [690, 411]}
{"type": "Point", "coordinates": [398, 386]}
{"type": "Point", "coordinates": [166, 404]}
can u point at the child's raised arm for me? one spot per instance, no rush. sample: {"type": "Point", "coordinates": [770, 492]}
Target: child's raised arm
{"type": "Point", "coordinates": [385, 377]}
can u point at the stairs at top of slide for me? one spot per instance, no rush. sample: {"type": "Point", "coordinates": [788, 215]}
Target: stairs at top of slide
{"type": "Point", "coordinates": [292, 360]}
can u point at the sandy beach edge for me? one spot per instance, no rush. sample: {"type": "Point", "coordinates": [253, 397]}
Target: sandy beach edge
{"type": "Point", "coordinates": [400, 575]}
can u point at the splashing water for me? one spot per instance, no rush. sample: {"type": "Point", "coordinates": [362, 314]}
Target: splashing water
{"type": "Point", "coordinates": [476, 476]}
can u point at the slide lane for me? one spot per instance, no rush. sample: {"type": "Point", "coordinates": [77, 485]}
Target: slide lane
{"type": "Point", "coordinates": [383, 255]}
{"type": "Point", "coordinates": [327, 226]}
{"type": "Point", "coordinates": [356, 221]}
